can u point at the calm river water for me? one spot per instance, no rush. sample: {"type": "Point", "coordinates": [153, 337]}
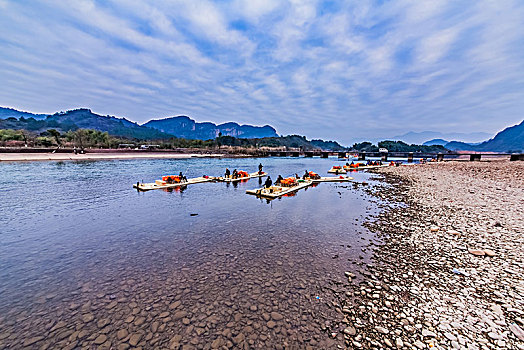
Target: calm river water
{"type": "Point", "coordinates": [88, 262]}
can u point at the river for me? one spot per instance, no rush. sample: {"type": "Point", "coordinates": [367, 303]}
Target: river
{"type": "Point", "coordinates": [87, 261]}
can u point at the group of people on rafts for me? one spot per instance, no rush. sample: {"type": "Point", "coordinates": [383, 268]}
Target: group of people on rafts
{"type": "Point", "coordinates": [368, 163]}
{"type": "Point", "coordinates": [280, 179]}
{"type": "Point", "coordinates": [236, 174]}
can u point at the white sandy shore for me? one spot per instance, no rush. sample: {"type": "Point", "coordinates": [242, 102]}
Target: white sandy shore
{"type": "Point", "coordinates": [15, 157]}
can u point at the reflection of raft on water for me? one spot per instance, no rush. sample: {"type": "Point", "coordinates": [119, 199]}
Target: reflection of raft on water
{"type": "Point", "coordinates": [170, 181]}
{"type": "Point", "coordinates": [242, 175]}
{"type": "Point", "coordinates": [279, 191]}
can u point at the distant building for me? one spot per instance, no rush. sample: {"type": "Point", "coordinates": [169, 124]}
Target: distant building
{"type": "Point", "coordinates": [149, 146]}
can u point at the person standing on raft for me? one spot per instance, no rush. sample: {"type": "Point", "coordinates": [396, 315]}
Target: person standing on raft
{"type": "Point", "coordinates": [260, 169]}
{"type": "Point", "coordinates": [268, 182]}
{"type": "Point", "coordinates": [306, 175]}
{"type": "Point", "coordinates": [227, 174]}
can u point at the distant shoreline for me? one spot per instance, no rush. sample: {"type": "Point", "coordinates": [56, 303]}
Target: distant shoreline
{"type": "Point", "coordinates": [29, 157]}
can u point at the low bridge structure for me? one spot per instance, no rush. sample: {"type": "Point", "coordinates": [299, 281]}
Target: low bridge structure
{"type": "Point", "coordinates": [438, 156]}
{"type": "Point", "coordinates": [384, 156]}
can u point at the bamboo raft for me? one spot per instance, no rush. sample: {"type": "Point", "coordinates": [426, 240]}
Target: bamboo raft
{"type": "Point", "coordinates": [159, 184]}
{"type": "Point", "coordinates": [332, 179]}
{"type": "Point", "coordinates": [278, 191]}
{"type": "Point", "coordinates": [337, 171]}
{"type": "Point", "coordinates": [365, 167]}
{"type": "Point", "coordinates": [252, 175]}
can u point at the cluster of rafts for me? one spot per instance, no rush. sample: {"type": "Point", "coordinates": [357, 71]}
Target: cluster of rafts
{"type": "Point", "coordinates": [344, 169]}
{"type": "Point", "coordinates": [284, 187]}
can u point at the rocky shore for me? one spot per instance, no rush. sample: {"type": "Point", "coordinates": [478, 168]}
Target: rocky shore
{"type": "Point", "coordinates": [450, 271]}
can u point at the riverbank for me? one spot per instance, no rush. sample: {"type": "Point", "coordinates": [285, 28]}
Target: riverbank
{"type": "Point", "coordinates": [26, 157]}
{"type": "Point", "coordinates": [450, 271]}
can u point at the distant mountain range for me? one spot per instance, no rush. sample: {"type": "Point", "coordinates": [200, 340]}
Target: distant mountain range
{"type": "Point", "coordinates": [434, 142]}
{"type": "Point", "coordinates": [187, 128]}
{"type": "Point", "coordinates": [182, 127]}
{"type": "Point", "coordinates": [13, 113]}
{"type": "Point", "coordinates": [421, 137]}
{"type": "Point", "coordinates": [508, 140]}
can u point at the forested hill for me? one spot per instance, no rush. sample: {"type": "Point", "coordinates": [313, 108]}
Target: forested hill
{"type": "Point", "coordinates": [84, 119]}
{"type": "Point", "coordinates": [187, 128]}
{"type": "Point", "coordinates": [510, 139]}
{"type": "Point", "coordinates": [13, 113]}
{"type": "Point", "coordinates": [181, 128]}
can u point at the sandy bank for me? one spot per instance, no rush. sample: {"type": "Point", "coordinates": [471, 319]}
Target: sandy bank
{"type": "Point", "coordinates": [450, 273]}
{"type": "Point", "coordinates": [12, 157]}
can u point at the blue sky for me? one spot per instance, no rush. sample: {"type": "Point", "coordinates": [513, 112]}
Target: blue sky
{"type": "Point", "coordinates": [344, 70]}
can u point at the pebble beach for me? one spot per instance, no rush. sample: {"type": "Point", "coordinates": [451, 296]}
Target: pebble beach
{"type": "Point", "coordinates": [449, 274]}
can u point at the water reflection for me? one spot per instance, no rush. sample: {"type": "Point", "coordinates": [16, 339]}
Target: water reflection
{"type": "Point", "coordinates": [88, 262]}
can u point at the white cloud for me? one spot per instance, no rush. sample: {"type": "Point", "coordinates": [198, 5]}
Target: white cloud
{"type": "Point", "coordinates": [357, 69]}
{"type": "Point", "coordinates": [253, 10]}
{"type": "Point", "coordinates": [437, 45]}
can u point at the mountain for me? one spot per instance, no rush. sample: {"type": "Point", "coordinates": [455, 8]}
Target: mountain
{"type": "Point", "coordinates": [434, 142]}
{"type": "Point", "coordinates": [328, 145]}
{"type": "Point", "coordinates": [13, 113]}
{"type": "Point", "coordinates": [85, 119]}
{"type": "Point", "coordinates": [510, 139]}
{"type": "Point", "coordinates": [187, 128]}
{"type": "Point", "coordinates": [459, 146]}
{"type": "Point", "coordinates": [421, 137]}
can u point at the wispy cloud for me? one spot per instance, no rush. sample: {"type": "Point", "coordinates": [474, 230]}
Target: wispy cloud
{"type": "Point", "coordinates": [338, 70]}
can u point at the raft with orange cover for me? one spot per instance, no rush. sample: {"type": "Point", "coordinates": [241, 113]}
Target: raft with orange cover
{"type": "Point", "coordinates": [337, 169]}
{"type": "Point", "coordinates": [279, 191]}
{"type": "Point", "coordinates": [367, 167]}
{"type": "Point", "coordinates": [169, 181]}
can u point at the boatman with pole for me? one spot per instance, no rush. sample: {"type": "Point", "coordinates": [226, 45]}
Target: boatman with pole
{"type": "Point", "coordinates": [260, 169]}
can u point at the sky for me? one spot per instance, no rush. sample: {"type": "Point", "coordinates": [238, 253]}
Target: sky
{"type": "Point", "coordinates": [342, 70]}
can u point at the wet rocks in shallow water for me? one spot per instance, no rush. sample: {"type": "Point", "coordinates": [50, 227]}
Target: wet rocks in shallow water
{"type": "Point", "coordinates": [88, 318]}
{"type": "Point", "coordinates": [175, 305]}
{"type": "Point", "coordinates": [33, 340]}
{"type": "Point", "coordinates": [103, 322]}
{"type": "Point", "coordinates": [134, 339]}
{"type": "Point", "coordinates": [101, 339]}
{"type": "Point", "coordinates": [121, 334]}
{"type": "Point", "coordinates": [179, 315]}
